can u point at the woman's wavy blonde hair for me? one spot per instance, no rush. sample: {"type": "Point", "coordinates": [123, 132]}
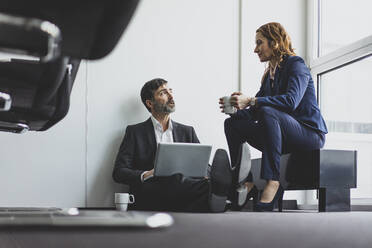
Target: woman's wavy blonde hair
{"type": "Point", "coordinates": [278, 38]}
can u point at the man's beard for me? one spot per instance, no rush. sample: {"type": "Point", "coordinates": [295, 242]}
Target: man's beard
{"type": "Point", "coordinates": [164, 108]}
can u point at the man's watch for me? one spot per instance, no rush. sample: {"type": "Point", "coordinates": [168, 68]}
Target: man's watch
{"type": "Point", "coordinates": [252, 102]}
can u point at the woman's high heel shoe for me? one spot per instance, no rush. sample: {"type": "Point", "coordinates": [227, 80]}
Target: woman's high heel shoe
{"type": "Point", "coordinates": [267, 207]}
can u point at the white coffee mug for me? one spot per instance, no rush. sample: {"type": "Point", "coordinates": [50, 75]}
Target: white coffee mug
{"type": "Point", "coordinates": [227, 107]}
{"type": "Point", "coordinates": [122, 200]}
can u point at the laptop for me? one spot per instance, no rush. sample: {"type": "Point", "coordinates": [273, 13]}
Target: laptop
{"type": "Point", "coordinates": [189, 159]}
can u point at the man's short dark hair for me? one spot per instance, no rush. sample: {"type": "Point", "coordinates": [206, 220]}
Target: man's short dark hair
{"type": "Point", "coordinates": [147, 91]}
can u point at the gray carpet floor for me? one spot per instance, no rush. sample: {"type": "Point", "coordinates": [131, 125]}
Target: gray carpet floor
{"type": "Point", "coordinates": [286, 229]}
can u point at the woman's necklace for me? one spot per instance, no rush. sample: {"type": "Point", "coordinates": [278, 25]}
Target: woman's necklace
{"type": "Point", "coordinates": [272, 71]}
{"type": "Point", "coordinates": [272, 74]}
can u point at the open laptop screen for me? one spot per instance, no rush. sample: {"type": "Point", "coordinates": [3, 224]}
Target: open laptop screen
{"type": "Point", "coordinates": [189, 159]}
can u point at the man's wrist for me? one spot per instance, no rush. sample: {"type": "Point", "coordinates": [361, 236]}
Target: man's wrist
{"type": "Point", "coordinates": [145, 176]}
{"type": "Point", "coordinates": [142, 176]}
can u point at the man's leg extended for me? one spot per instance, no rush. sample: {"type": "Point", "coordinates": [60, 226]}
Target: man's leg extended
{"type": "Point", "coordinates": [174, 193]}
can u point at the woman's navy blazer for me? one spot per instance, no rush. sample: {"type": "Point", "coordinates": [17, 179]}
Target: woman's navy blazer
{"type": "Point", "coordinates": [293, 93]}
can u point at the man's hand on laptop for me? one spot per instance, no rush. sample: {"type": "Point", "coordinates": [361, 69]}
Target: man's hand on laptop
{"type": "Point", "coordinates": [148, 174]}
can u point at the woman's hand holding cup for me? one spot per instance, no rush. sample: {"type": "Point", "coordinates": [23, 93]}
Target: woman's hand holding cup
{"type": "Point", "coordinates": [239, 101]}
{"type": "Point", "coordinates": [226, 105]}
{"type": "Point", "coordinates": [230, 104]}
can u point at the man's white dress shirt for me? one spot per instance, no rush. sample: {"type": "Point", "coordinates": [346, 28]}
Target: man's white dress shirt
{"type": "Point", "coordinates": [160, 136]}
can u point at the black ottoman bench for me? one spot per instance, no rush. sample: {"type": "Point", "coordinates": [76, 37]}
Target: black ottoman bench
{"type": "Point", "coordinates": [332, 172]}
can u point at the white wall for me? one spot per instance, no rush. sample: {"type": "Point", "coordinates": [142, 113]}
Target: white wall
{"type": "Point", "coordinates": [193, 44]}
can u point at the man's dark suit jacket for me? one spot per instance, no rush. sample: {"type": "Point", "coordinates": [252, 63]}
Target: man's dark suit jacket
{"type": "Point", "coordinates": [137, 151]}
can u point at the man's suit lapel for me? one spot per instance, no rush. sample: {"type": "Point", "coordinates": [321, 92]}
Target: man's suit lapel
{"type": "Point", "coordinates": [175, 132]}
{"type": "Point", "coordinates": [151, 135]}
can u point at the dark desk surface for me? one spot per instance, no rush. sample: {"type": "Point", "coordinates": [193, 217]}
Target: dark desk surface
{"type": "Point", "coordinates": [231, 229]}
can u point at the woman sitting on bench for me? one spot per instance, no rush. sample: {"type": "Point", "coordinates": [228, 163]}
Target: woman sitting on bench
{"type": "Point", "coordinates": [283, 116]}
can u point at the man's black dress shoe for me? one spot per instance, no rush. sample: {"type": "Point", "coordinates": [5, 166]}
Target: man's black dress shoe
{"type": "Point", "coordinates": [220, 178]}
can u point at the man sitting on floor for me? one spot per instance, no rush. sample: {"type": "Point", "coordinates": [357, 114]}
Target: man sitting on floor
{"type": "Point", "coordinates": [135, 161]}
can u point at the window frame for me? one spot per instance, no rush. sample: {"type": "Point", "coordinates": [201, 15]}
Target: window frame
{"type": "Point", "coordinates": [320, 64]}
